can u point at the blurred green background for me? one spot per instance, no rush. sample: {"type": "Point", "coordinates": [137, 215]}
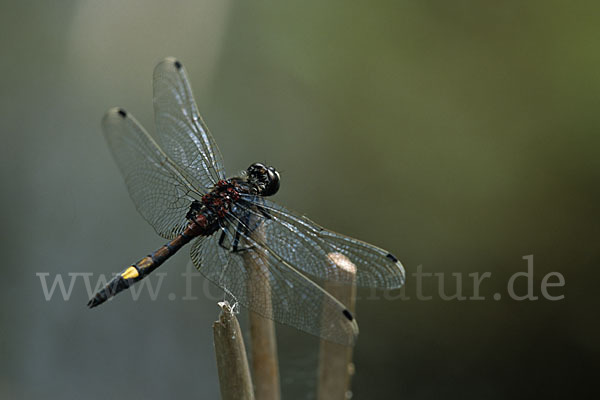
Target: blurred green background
{"type": "Point", "coordinates": [459, 135]}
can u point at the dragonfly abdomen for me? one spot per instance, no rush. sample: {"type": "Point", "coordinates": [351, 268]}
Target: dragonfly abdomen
{"type": "Point", "coordinates": [138, 271]}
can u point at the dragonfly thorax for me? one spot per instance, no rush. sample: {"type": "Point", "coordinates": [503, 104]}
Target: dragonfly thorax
{"type": "Point", "coordinates": [220, 199]}
{"type": "Point", "coordinates": [258, 180]}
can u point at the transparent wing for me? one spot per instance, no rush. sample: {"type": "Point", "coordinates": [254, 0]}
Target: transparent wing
{"type": "Point", "coordinates": [180, 130]}
{"type": "Point", "coordinates": [160, 191]}
{"type": "Point", "coordinates": [267, 285]}
{"type": "Point", "coordinates": [314, 249]}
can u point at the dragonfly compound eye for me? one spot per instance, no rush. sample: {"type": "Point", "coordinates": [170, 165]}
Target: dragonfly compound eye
{"type": "Point", "coordinates": [272, 185]}
{"type": "Point", "coordinates": [265, 178]}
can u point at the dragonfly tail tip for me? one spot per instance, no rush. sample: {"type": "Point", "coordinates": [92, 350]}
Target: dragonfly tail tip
{"type": "Point", "coordinates": [94, 302]}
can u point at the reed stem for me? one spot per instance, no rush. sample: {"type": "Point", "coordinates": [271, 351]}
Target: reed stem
{"type": "Point", "coordinates": [263, 342]}
{"type": "Point", "coordinates": [232, 363]}
{"type": "Point", "coordinates": [335, 360]}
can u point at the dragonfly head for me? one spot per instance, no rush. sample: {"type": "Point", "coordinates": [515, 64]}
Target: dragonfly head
{"type": "Point", "coordinates": [265, 179]}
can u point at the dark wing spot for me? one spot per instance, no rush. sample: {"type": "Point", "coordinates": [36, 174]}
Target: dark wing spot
{"type": "Point", "coordinates": [177, 64]}
{"type": "Point", "coordinates": [122, 113]}
{"type": "Point", "coordinates": [392, 257]}
{"type": "Point", "coordinates": [348, 315]}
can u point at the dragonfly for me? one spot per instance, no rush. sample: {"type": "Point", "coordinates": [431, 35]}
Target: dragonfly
{"type": "Point", "coordinates": [266, 256]}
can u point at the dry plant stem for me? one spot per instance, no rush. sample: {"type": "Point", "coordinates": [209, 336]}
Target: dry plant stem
{"type": "Point", "coordinates": [263, 343]}
{"type": "Point", "coordinates": [232, 364]}
{"type": "Point", "coordinates": [264, 358]}
{"type": "Point", "coordinates": [335, 360]}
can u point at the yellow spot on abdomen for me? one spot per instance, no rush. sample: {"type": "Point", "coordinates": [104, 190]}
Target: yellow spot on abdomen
{"type": "Point", "coordinates": [130, 273]}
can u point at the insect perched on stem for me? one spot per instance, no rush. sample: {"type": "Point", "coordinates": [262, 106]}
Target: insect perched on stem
{"type": "Point", "coordinates": [178, 183]}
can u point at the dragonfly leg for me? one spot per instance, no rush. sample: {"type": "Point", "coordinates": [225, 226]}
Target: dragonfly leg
{"type": "Point", "coordinates": [222, 239]}
{"type": "Point", "coordinates": [236, 240]}
{"type": "Point", "coordinates": [264, 212]}
{"type": "Point", "coordinates": [235, 248]}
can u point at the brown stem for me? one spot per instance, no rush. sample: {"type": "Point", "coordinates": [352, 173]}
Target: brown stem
{"type": "Point", "coordinates": [335, 360]}
{"type": "Point", "coordinates": [265, 368]}
{"type": "Point", "coordinates": [232, 364]}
